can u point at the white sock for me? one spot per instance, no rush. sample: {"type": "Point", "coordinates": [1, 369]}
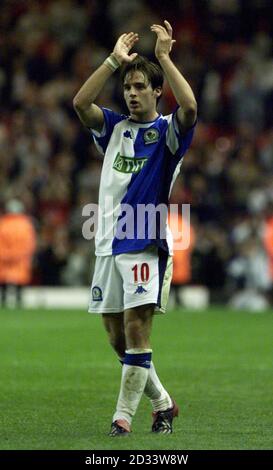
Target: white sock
{"type": "Point", "coordinates": [155, 391]}
{"type": "Point", "coordinates": [133, 381]}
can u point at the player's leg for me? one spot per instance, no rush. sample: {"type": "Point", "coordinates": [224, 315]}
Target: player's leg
{"type": "Point", "coordinates": [165, 408]}
{"type": "Point", "coordinates": [138, 332]}
{"type": "Point", "coordinates": [136, 363]}
{"type": "Point", "coordinates": [138, 325]}
{"type": "Point", "coordinates": [114, 325]}
{"type": "Point", "coordinates": [154, 390]}
{"type": "Point", "coordinates": [147, 276]}
{"type": "Point", "coordinates": [107, 299]}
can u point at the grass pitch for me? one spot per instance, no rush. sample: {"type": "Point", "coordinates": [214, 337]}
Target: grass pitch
{"type": "Point", "coordinates": [60, 381]}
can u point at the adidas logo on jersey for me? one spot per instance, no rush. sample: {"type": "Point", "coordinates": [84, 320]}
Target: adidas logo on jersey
{"type": "Point", "coordinates": [129, 164]}
{"type": "Point", "coordinates": [140, 290]}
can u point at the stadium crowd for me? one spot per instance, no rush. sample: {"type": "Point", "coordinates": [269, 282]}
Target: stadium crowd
{"type": "Point", "coordinates": [47, 160]}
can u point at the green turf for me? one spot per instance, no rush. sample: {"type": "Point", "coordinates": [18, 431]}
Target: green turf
{"type": "Point", "coordinates": [60, 380]}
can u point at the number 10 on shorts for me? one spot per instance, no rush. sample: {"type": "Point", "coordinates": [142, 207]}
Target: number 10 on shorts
{"type": "Point", "coordinates": [141, 273]}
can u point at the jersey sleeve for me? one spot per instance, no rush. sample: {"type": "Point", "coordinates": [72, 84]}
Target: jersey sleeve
{"type": "Point", "coordinates": [176, 142]}
{"type": "Point", "coordinates": [101, 139]}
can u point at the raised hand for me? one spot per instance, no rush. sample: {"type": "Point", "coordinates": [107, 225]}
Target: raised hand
{"type": "Point", "coordinates": [123, 46]}
{"type": "Point", "coordinates": [164, 41]}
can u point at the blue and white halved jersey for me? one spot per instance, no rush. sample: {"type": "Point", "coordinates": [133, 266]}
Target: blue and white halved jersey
{"type": "Point", "coordinates": [141, 163]}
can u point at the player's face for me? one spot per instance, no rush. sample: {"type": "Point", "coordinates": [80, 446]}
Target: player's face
{"type": "Point", "coordinates": [140, 97]}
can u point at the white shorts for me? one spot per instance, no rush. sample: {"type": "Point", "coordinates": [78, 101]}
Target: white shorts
{"type": "Point", "coordinates": [130, 280]}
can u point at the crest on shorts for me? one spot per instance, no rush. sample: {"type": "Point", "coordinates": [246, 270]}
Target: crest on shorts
{"type": "Point", "coordinates": [151, 136]}
{"type": "Point", "coordinates": [96, 293]}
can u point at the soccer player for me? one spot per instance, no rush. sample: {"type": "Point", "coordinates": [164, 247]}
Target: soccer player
{"type": "Point", "coordinates": [142, 157]}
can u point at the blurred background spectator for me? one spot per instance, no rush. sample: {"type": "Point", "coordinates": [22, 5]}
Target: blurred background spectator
{"type": "Point", "coordinates": [17, 247]}
{"type": "Point", "coordinates": [183, 237]}
{"type": "Point", "coordinates": [47, 161]}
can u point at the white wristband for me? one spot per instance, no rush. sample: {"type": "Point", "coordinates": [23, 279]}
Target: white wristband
{"type": "Point", "coordinates": [112, 62]}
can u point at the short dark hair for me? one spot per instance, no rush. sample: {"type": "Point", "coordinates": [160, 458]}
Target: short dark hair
{"type": "Point", "coordinates": [149, 69]}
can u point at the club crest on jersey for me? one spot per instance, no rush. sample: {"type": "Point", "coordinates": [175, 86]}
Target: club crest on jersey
{"type": "Point", "coordinates": [151, 136]}
{"type": "Point", "coordinates": [129, 164]}
{"type": "Point", "coordinates": [96, 293]}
